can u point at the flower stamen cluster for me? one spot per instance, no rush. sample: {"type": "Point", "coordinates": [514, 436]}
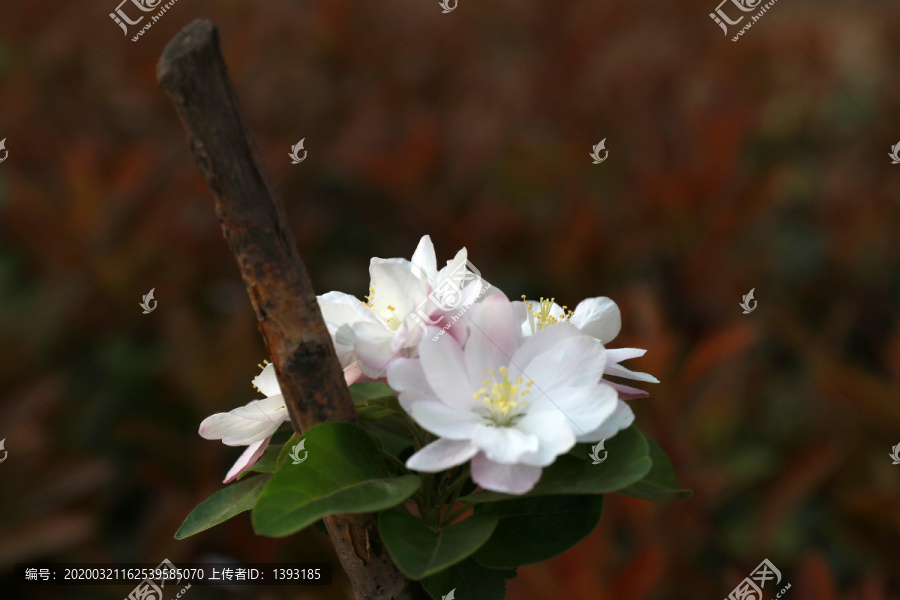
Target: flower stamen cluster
{"type": "Point", "coordinates": [504, 400]}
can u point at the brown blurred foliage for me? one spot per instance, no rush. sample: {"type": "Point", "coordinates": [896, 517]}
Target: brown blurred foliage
{"type": "Point", "coordinates": [757, 164]}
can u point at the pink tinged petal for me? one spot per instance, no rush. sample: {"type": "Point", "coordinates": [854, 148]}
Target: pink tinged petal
{"type": "Point", "coordinates": [424, 261]}
{"type": "Point", "coordinates": [266, 382]}
{"type": "Point", "coordinates": [352, 373]}
{"type": "Point", "coordinates": [626, 392]}
{"type": "Point", "coordinates": [444, 366]}
{"type": "Point", "coordinates": [493, 338]}
{"type": "Point", "coordinates": [508, 479]}
{"type": "Point", "coordinates": [407, 378]}
{"type": "Point", "coordinates": [504, 445]}
{"type": "Point", "coordinates": [444, 421]}
{"type": "Point", "coordinates": [441, 455]}
{"type": "Point", "coordinates": [247, 459]}
{"type": "Point", "coordinates": [598, 317]}
{"type": "Point", "coordinates": [585, 407]}
{"type": "Point", "coordinates": [554, 433]}
{"type": "Point", "coordinates": [575, 361]}
{"type": "Point", "coordinates": [620, 419]}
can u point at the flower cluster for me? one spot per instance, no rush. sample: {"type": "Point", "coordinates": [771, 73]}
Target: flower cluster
{"type": "Point", "coordinates": [513, 385]}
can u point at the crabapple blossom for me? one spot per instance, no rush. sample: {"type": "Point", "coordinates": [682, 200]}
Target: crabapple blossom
{"type": "Point", "coordinates": [507, 403]}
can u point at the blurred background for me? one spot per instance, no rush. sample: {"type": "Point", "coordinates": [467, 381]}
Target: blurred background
{"type": "Point", "coordinates": [758, 164]}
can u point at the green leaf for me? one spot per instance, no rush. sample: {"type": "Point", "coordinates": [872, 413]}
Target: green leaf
{"type": "Point", "coordinates": [532, 530]}
{"type": "Point", "coordinates": [370, 390]}
{"type": "Point", "coordinates": [627, 462]}
{"type": "Point", "coordinates": [378, 408]}
{"type": "Point", "coordinates": [420, 551]}
{"type": "Point", "coordinates": [470, 581]}
{"type": "Point", "coordinates": [660, 481]}
{"type": "Point", "coordinates": [221, 506]}
{"type": "Point", "coordinates": [343, 472]}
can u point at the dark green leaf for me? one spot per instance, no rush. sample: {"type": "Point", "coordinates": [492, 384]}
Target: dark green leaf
{"type": "Point", "coordinates": [343, 472]}
{"type": "Point", "coordinates": [532, 530]}
{"type": "Point", "coordinates": [378, 408]}
{"type": "Point", "coordinates": [221, 506]}
{"type": "Point", "coordinates": [470, 581]}
{"type": "Point", "coordinates": [627, 462]}
{"type": "Point", "coordinates": [420, 551]}
{"type": "Point", "coordinates": [660, 481]}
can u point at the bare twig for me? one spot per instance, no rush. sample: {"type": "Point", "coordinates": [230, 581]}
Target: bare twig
{"type": "Point", "coordinates": [193, 74]}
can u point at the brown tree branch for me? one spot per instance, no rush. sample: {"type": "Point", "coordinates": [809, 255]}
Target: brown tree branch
{"type": "Point", "coordinates": [193, 73]}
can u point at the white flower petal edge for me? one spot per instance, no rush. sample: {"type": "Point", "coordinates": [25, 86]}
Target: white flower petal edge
{"type": "Point", "coordinates": [253, 424]}
{"type": "Point", "coordinates": [599, 318]}
{"type": "Point", "coordinates": [484, 403]}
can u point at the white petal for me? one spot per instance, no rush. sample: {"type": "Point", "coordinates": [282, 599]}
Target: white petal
{"type": "Point", "coordinates": [620, 371]}
{"type": "Point", "coordinates": [493, 338]}
{"type": "Point", "coordinates": [541, 341]}
{"type": "Point", "coordinates": [620, 419]}
{"type": "Point", "coordinates": [520, 312]}
{"type": "Point", "coordinates": [575, 361]}
{"type": "Point", "coordinates": [424, 261]}
{"type": "Point", "coordinates": [617, 355]}
{"type": "Point", "coordinates": [373, 348]}
{"type": "Point", "coordinates": [598, 317]}
{"type": "Point", "coordinates": [444, 421]}
{"type": "Point", "coordinates": [267, 382]}
{"type": "Point", "coordinates": [554, 433]}
{"type": "Point", "coordinates": [441, 455]}
{"type": "Point", "coordinates": [585, 407]}
{"type": "Point", "coordinates": [444, 366]}
{"type": "Point", "coordinates": [504, 444]}
{"type": "Point", "coordinates": [246, 424]}
{"type": "Point", "coordinates": [508, 479]}
{"type": "Point", "coordinates": [247, 459]}
{"type": "Point", "coordinates": [407, 378]}
{"type": "Point", "coordinates": [397, 292]}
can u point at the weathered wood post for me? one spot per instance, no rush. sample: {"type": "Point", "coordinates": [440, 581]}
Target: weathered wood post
{"type": "Point", "coordinates": [193, 73]}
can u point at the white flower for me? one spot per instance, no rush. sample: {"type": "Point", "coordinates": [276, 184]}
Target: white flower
{"type": "Point", "coordinates": [253, 424]}
{"type": "Point", "coordinates": [600, 318]}
{"type": "Point", "coordinates": [401, 299]}
{"type": "Point", "coordinates": [511, 406]}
